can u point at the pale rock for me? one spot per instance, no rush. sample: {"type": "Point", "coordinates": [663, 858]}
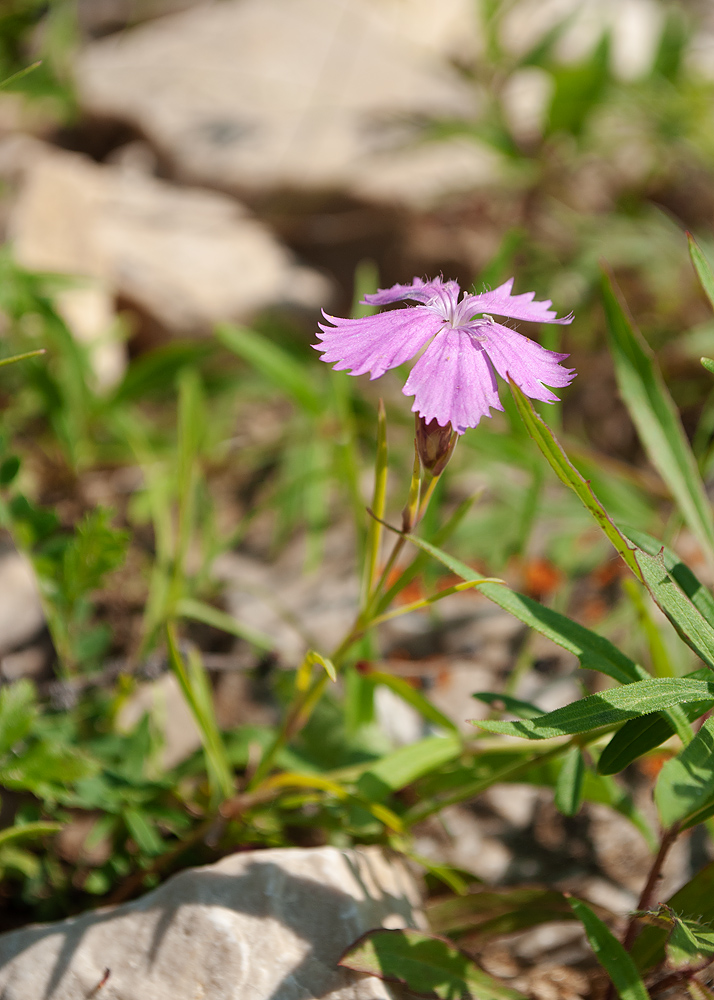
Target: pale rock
{"type": "Point", "coordinates": [21, 615]}
{"type": "Point", "coordinates": [164, 701]}
{"type": "Point", "coordinates": [297, 609]}
{"type": "Point", "coordinates": [299, 94]}
{"type": "Point", "coordinates": [185, 256]}
{"type": "Point", "coordinates": [264, 925]}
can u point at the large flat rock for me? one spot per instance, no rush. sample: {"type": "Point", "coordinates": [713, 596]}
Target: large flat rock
{"type": "Point", "coordinates": [185, 256]}
{"type": "Point", "coordinates": [260, 925]}
{"type": "Point", "coordinates": [304, 94]}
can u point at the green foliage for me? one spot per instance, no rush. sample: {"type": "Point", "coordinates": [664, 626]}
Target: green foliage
{"type": "Point", "coordinates": [610, 954]}
{"type": "Point", "coordinates": [425, 964]}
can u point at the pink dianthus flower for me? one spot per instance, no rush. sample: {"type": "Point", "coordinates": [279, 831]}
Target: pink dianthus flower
{"type": "Point", "coordinates": [454, 380]}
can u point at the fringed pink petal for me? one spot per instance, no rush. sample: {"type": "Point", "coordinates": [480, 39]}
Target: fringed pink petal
{"type": "Point", "coordinates": [502, 303]}
{"type": "Point", "coordinates": [419, 290]}
{"type": "Point", "coordinates": [453, 381]}
{"type": "Point", "coordinates": [531, 366]}
{"type": "Point", "coordinates": [376, 343]}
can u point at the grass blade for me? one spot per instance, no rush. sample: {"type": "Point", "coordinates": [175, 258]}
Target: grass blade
{"type": "Point", "coordinates": [196, 690]}
{"type": "Point", "coordinates": [656, 417]}
{"type": "Point", "coordinates": [375, 529]}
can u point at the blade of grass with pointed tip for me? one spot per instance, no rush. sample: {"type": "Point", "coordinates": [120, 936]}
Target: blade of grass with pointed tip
{"type": "Point", "coordinates": [10, 81]}
{"type": "Point", "coordinates": [425, 964]}
{"type": "Point", "coordinates": [569, 475]}
{"type": "Point", "coordinates": [702, 267]}
{"type": "Point", "coordinates": [610, 954]}
{"type": "Point", "coordinates": [427, 602]}
{"type": "Point", "coordinates": [656, 418]}
{"type": "Point", "coordinates": [593, 650]}
{"type": "Point", "coordinates": [21, 357]}
{"type": "Point", "coordinates": [606, 708]}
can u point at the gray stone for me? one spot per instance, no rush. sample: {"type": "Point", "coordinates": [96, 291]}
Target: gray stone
{"type": "Point", "coordinates": [260, 924]}
{"type": "Point", "coordinates": [185, 256]}
{"type": "Point", "coordinates": [258, 94]}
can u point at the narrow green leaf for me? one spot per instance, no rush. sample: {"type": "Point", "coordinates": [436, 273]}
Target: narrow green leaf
{"type": "Point", "coordinates": [610, 954]}
{"type": "Point", "coordinates": [427, 602]}
{"type": "Point", "coordinates": [199, 611]}
{"type": "Point", "coordinates": [686, 783]}
{"type": "Point", "coordinates": [569, 786]}
{"type": "Point", "coordinates": [606, 708]}
{"type": "Point", "coordinates": [412, 696]}
{"type": "Point", "coordinates": [707, 363]}
{"type": "Point", "coordinates": [286, 373]}
{"type": "Point", "coordinates": [425, 964]}
{"type": "Point", "coordinates": [656, 417]}
{"type": "Point", "coordinates": [694, 629]}
{"type": "Point", "coordinates": [593, 650]}
{"type": "Point", "coordinates": [10, 81]}
{"type": "Point", "coordinates": [568, 474]}
{"type": "Point", "coordinates": [400, 768]}
{"type": "Point", "coordinates": [702, 267]}
{"type": "Point", "coordinates": [21, 357]}
{"type": "Point", "coordinates": [700, 596]}
{"type": "Point", "coordinates": [375, 528]}
{"type": "Point", "coordinates": [197, 692]}
{"type": "Point", "coordinates": [639, 736]}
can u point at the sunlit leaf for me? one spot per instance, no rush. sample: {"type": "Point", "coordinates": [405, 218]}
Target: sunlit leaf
{"type": "Point", "coordinates": [610, 954]}
{"type": "Point", "coordinates": [427, 965]}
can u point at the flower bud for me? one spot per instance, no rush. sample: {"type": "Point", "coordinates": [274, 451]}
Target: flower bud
{"type": "Point", "coordinates": [434, 444]}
